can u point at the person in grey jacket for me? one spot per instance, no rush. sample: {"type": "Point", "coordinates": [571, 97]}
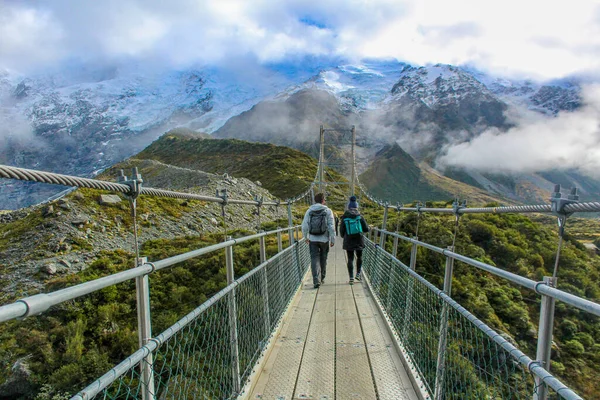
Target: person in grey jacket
{"type": "Point", "coordinates": [355, 243]}
{"type": "Point", "coordinates": [319, 219]}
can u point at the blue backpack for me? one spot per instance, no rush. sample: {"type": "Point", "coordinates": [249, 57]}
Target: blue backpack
{"type": "Point", "coordinates": [353, 225]}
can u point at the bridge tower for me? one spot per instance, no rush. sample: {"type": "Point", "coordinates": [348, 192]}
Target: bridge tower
{"type": "Point", "coordinates": [338, 138]}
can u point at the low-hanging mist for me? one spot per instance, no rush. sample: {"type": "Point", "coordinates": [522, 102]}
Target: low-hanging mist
{"type": "Point", "coordinates": [571, 140]}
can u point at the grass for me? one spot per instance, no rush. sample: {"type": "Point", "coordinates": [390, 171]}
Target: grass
{"type": "Point", "coordinates": [281, 170]}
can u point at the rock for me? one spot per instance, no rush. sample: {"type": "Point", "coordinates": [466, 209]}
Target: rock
{"type": "Point", "coordinates": [79, 221]}
{"type": "Point", "coordinates": [109, 199]}
{"type": "Point", "coordinates": [17, 385]}
{"type": "Point", "coordinates": [65, 263]}
{"type": "Point", "coordinates": [50, 224]}
{"type": "Point", "coordinates": [214, 221]}
{"type": "Point", "coordinates": [48, 211]}
{"type": "Point", "coordinates": [258, 183]}
{"type": "Point", "coordinates": [64, 204]}
{"type": "Point", "coordinates": [50, 269]}
{"type": "Point", "coordinates": [145, 216]}
{"type": "Point", "coordinates": [78, 196]}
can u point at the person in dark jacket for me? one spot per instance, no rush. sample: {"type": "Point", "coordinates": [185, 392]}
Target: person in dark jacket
{"type": "Point", "coordinates": [353, 243]}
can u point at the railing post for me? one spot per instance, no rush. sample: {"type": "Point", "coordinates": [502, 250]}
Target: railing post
{"type": "Point", "coordinates": [441, 358]}
{"type": "Point", "coordinates": [410, 289]}
{"type": "Point", "coordinates": [265, 284]}
{"type": "Point", "coordinates": [142, 287]}
{"type": "Point", "coordinates": [290, 223]}
{"type": "Point", "coordinates": [353, 160]}
{"type": "Point", "coordinates": [395, 247]}
{"type": "Point", "coordinates": [263, 249]}
{"type": "Point", "coordinates": [267, 309]}
{"type": "Point", "coordinates": [321, 158]}
{"type": "Point", "coordinates": [279, 242]}
{"type": "Point", "coordinates": [235, 358]}
{"type": "Point", "coordinates": [298, 265]}
{"type": "Point", "coordinates": [544, 344]}
{"type": "Point", "coordinates": [383, 226]}
{"type": "Point", "coordinates": [413, 254]}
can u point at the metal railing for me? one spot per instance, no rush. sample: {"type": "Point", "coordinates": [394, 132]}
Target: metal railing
{"type": "Point", "coordinates": [455, 354]}
{"type": "Point", "coordinates": [210, 353]}
{"type": "Point", "coordinates": [249, 309]}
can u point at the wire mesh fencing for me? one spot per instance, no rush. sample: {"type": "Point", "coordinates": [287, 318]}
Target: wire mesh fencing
{"type": "Point", "coordinates": [455, 355]}
{"type": "Point", "coordinates": [211, 352]}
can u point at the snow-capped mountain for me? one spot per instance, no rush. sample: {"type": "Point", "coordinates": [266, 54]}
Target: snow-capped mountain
{"type": "Point", "coordinates": [548, 98]}
{"type": "Point", "coordinates": [81, 120]}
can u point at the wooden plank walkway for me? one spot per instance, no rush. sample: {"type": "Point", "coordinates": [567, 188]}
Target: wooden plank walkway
{"type": "Point", "coordinates": [333, 345]}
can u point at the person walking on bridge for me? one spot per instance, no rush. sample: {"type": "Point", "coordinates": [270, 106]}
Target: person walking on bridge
{"type": "Point", "coordinates": [318, 229]}
{"type": "Point", "coordinates": [352, 227]}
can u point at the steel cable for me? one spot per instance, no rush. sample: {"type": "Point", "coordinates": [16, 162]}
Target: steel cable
{"type": "Point", "coordinates": [74, 181]}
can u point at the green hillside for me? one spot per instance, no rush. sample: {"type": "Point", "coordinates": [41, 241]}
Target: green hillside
{"type": "Point", "coordinates": [283, 171]}
{"type": "Point", "coordinates": [516, 243]}
{"type": "Point", "coordinates": [395, 176]}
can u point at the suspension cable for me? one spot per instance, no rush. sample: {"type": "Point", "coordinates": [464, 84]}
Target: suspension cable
{"type": "Point", "coordinates": [74, 181]}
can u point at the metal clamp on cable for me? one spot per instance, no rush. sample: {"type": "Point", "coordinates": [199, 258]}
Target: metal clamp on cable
{"type": "Point", "coordinates": [558, 203]}
{"type": "Point", "coordinates": [135, 183]}
{"type": "Point", "coordinates": [456, 206]}
{"type": "Point", "coordinates": [558, 206]}
{"type": "Point", "coordinates": [399, 206]}
{"type": "Point", "coordinates": [223, 195]}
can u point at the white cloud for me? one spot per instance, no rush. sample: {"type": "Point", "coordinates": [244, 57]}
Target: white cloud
{"type": "Point", "coordinates": [514, 37]}
{"type": "Point", "coordinates": [537, 143]}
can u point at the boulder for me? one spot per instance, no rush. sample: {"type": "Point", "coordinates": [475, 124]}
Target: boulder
{"type": "Point", "coordinates": [79, 220]}
{"type": "Point", "coordinates": [50, 269]}
{"type": "Point", "coordinates": [64, 204]}
{"type": "Point", "coordinates": [78, 196]}
{"type": "Point", "coordinates": [18, 384]}
{"type": "Point", "coordinates": [109, 199]}
{"type": "Point", "coordinates": [47, 211]}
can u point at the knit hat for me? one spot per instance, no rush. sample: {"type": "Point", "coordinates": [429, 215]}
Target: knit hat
{"type": "Point", "coordinates": [353, 203]}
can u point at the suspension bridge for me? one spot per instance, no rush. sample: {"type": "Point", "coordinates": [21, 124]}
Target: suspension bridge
{"type": "Point", "coordinates": [270, 335]}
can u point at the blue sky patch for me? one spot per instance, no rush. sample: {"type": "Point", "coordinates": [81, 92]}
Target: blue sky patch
{"type": "Point", "coordinates": [310, 21]}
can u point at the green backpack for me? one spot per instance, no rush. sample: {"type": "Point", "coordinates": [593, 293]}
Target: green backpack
{"type": "Point", "coordinates": [353, 226]}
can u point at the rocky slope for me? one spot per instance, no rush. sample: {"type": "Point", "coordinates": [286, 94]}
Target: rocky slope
{"type": "Point", "coordinates": [66, 235]}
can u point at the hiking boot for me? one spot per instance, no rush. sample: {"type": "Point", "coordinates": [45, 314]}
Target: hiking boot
{"type": "Point", "coordinates": [357, 278]}
{"type": "Point", "coordinates": [351, 282]}
{"type": "Point", "coordinates": [317, 285]}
